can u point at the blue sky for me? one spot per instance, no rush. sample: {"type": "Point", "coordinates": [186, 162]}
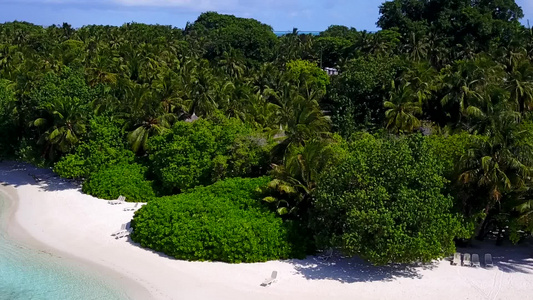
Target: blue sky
{"type": "Point", "coordinates": [282, 15]}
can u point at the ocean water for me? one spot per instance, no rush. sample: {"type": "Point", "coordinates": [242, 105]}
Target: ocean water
{"type": "Point", "coordinates": [282, 33]}
{"type": "Point", "coordinates": [32, 274]}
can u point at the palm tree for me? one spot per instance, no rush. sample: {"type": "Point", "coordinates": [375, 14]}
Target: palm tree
{"type": "Point", "coordinates": [520, 82]}
{"type": "Point", "coordinates": [267, 78]}
{"type": "Point", "coordinates": [261, 112]}
{"type": "Point", "coordinates": [98, 73]}
{"type": "Point", "coordinates": [295, 180]}
{"type": "Point", "coordinates": [138, 138]}
{"type": "Point", "coordinates": [299, 118]}
{"type": "Point", "coordinates": [203, 99]}
{"type": "Point", "coordinates": [469, 86]}
{"type": "Point", "coordinates": [63, 124]}
{"type": "Point", "coordinates": [232, 64]}
{"type": "Point", "coordinates": [295, 46]}
{"type": "Point", "coordinates": [500, 162]}
{"type": "Point", "coordinates": [425, 81]}
{"type": "Point", "coordinates": [146, 114]}
{"type": "Point", "coordinates": [439, 54]}
{"type": "Point", "coordinates": [170, 93]}
{"type": "Point", "coordinates": [416, 47]}
{"type": "Point", "coordinates": [402, 109]}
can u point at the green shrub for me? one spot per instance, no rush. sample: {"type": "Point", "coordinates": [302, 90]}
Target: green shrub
{"type": "Point", "coordinates": [103, 148]}
{"type": "Point", "coordinates": [449, 149]}
{"type": "Point", "coordinates": [385, 202]}
{"type": "Point", "coordinates": [125, 179]}
{"type": "Point", "coordinates": [223, 222]}
{"type": "Point", "coordinates": [200, 153]}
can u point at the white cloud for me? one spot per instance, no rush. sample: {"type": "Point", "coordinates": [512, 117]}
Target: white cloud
{"type": "Point", "coordinates": [240, 6]}
{"type": "Point", "coordinates": [244, 6]}
{"type": "Point", "coordinates": [192, 4]}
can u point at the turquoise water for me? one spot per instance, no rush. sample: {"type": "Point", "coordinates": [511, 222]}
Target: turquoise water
{"type": "Point", "coordinates": [31, 274]}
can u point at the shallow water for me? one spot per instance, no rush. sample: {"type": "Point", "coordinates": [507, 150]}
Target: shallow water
{"type": "Point", "coordinates": [32, 274]}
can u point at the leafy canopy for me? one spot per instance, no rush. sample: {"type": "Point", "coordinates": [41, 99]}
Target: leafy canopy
{"type": "Point", "coordinates": [223, 222]}
{"type": "Point", "coordinates": [103, 148]}
{"type": "Point", "coordinates": [202, 152]}
{"type": "Point", "coordinates": [126, 180]}
{"type": "Point", "coordinates": [385, 202]}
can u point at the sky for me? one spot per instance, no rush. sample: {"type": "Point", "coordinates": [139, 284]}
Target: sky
{"type": "Point", "coordinates": [282, 15]}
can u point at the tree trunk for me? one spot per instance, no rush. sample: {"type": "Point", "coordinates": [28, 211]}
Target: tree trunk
{"type": "Point", "coordinates": [480, 229]}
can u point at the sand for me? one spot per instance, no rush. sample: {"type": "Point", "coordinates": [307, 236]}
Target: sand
{"type": "Point", "coordinates": [56, 216]}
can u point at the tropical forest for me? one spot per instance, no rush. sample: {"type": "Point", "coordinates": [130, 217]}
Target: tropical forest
{"type": "Point", "coordinates": [246, 149]}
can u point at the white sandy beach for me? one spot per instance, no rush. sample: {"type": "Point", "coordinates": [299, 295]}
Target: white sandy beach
{"type": "Point", "coordinates": [57, 217]}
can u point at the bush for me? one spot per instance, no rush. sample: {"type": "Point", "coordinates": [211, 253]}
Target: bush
{"type": "Point", "coordinates": [125, 179]}
{"type": "Point", "coordinates": [223, 222]}
{"type": "Point", "coordinates": [200, 153]}
{"type": "Point", "coordinates": [356, 95]}
{"type": "Point", "coordinates": [449, 149]}
{"type": "Point", "coordinates": [385, 203]}
{"type": "Point", "coordinates": [103, 149]}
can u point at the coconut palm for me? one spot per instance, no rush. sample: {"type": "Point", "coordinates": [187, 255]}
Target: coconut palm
{"type": "Point", "coordinates": [500, 162]}
{"type": "Point", "coordinates": [170, 93]}
{"type": "Point", "coordinates": [203, 97]}
{"type": "Point", "coordinates": [402, 109]}
{"type": "Point", "coordinates": [232, 64]}
{"type": "Point", "coordinates": [98, 72]}
{"type": "Point", "coordinates": [63, 125]}
{"type": "Point", "coordinates": [520, 82]}
{"type": "Point", "coordinates": [146, 114]}
{"type": "Point", "coordinates": [295, 180]}
{"type": "Point", "coordinates": [470, 85]}
{"type": "Point", "coordinates": [416, 47]}
{"type": "Point", "coordinates": [299, 118]}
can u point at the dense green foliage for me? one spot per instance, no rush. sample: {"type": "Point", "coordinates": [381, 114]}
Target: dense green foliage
{"type": "Point", "coordinates": [224, 34]}
{"type": "Point", "coordinates": [223, 222]}
{"type": "Point", "coordinates": [385, 202]}
{"type": "Point", "coordinates": [150, 110]}
{"type": "Point", "coordinates": [61, 104]}
{"type": "Point", "coordinates": [126, 180]}
{"type": "Point", "coordinates": [103, 149]}
{"type": "Point", "coordinates": [356, 95]}
{"type": "Point", "coordinates": [199, 153]}
{"type": "Point", "coordinates": [457, 25]}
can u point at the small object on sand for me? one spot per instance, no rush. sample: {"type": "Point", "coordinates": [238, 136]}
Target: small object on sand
{"type": "Point", "coordinates": [120, 200]}
{"type": "Point", "coordinates": [134, 208]}
{"type": "Point", "coordinates": [327, 255]}
{"type": "Point", "coordinates": [475, 260]}
{"type": "Point", "coordinates": [270, 280]}
{"type": "Point", "coordinates": [488, 261]}
{"type": "Point", "coordinates": [466, 260]}
{"type": "Point", "coordinates": [123, 233]}
{"type": "Point", "coordinates": [37, 179]}
{"type": "Point", "coordinates": [122, 228]}
{"type": "Point", "coordinates": [456, 258]}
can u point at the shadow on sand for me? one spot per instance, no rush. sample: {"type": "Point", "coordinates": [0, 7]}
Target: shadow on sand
{"type": "Point", "coordinates": [350, 270]}
{"type": "Point", "coordinates": [508, 258]}
{"type": "Point", "coordinates": [17, 174]}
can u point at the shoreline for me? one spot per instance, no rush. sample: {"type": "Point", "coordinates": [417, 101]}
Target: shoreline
{"type": "Point", "coordinates": [58, 218]}
{"type": "Point", "coordinates": [16, 233]}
